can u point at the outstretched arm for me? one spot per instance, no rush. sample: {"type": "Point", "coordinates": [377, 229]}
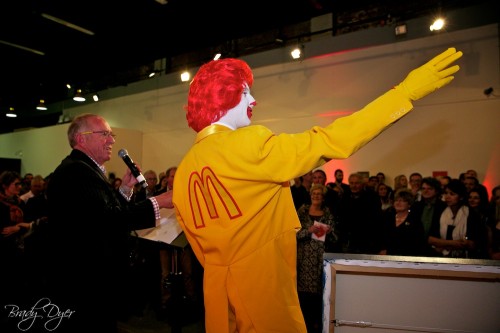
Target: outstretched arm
{"type": "Point", "coordinates": [431, 76]}
{"type": "Point", "coordinates": [353, 132]}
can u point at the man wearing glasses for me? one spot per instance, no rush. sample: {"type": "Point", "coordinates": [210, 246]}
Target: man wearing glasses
{"type": "Point", "coordinates": [89, 228]}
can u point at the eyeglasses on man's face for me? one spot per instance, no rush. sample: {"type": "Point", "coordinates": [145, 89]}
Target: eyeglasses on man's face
{"type": "Point", "coordinates": [105, 134]}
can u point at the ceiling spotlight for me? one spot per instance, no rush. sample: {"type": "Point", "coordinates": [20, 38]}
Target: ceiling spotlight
{"type": "Point", "coordinates": [437, 25]}
{"type": "Point", "coordinates": [95, 97]}
{"type": "Point", "coordinates": [155, 72]}
{"type": "Point", "coordinates": [297, 52]}
{"type": "Point", "coordinates": [78, 96]}
{"type": "Point", "coordinates": [11, 113]}
{"type": "Point", "coordinates": [217, 56]}
{"type": "Point", "coordinates": [185, 76]}
{"type": "Point", "coordinates": [41, 105]}
{"type": "Point", "coordinates": [68, 85]}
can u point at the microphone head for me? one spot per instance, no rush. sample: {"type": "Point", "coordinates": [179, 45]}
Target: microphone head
{"type": "Point", "coordinates": [122, 153]}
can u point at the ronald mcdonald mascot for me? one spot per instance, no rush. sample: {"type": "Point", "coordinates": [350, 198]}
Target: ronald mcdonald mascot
{"type": "Point", "coordinates": [232, 194]}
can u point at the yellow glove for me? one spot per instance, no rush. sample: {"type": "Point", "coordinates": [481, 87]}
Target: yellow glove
{"type": "Point", "coordinates": [431, 76]}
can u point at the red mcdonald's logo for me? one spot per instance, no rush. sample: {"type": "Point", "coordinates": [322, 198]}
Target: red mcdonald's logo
{"type": "Point", "coordinates": [200, 188]}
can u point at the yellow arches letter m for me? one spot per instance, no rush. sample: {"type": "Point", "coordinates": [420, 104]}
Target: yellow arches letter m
{"type": "Point", "coordinates": [201, 189]}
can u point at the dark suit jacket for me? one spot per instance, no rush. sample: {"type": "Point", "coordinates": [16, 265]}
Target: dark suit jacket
{"type": "Point", "coordinates": [87, 244]}
{"type": "Point", "coordinates": [417, 209]}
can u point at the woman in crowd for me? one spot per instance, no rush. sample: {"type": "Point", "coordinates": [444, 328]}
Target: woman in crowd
{"type": "Point", "coordinates": [400, 181]}
{"type": "Point", "coordinates": [385, 195]}
{"type": "Point", "coordinates": [317, 232]}
{"type": "Point", "coordinates": [403, 233]}
{"type": "Point", "coordinates": [458, 232]}
{"type": "Point", "coordinates": [12, 232]}
{"type": "Point", "coordinates": [478, 201]}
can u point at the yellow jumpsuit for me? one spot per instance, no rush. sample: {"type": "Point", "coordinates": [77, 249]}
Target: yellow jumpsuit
{"type": "Point", "coordinates": [233, 201]}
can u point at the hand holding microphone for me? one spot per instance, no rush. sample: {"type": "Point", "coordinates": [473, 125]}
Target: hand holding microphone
{"type": "Point", "coordinates": [133, 168]}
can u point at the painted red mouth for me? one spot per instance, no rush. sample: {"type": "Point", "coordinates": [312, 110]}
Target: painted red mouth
{"type": "Point", "coordinates": [249, 112]}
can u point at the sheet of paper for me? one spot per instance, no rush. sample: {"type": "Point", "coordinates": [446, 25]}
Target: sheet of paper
{"type": "Point", "coordinates": [167, 228]}
{"type": "Point", "coordinates": [321, 236]}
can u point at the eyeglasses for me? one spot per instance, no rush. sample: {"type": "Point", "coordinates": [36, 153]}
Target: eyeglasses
{"type": "Point", "coordinates": [105, 134]}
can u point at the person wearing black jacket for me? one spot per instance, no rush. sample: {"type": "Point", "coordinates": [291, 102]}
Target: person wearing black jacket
{"type": "Point", "coordinates": [428, 210]}
{"type": "Point", "coordinates": [88, 234]}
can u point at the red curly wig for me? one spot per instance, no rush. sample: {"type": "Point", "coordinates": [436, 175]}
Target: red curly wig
{"type": "Point", "coordinates": [216, 89]}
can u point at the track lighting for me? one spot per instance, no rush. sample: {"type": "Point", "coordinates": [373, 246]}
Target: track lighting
{"type": "Point", "coordinates": [11, 113]}
{"type": "Point", "coordinates": [41, 105]}
{"type": "Point", "coordinates": [78, 96]}
{"type": "Point", "coordinates": [67, 24]}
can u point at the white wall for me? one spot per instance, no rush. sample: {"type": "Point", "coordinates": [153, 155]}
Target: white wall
{"type": "Point", "coordinates": [453, 130]}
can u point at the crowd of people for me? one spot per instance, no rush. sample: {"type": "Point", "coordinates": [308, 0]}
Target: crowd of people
{"type": "Point", "coordinates": [368, 213]}
{"type": "Point", "coordinates": [425, 216]}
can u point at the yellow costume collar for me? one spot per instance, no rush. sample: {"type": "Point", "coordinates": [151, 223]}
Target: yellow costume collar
{"type": "Point", "coordinates": [209, 130]}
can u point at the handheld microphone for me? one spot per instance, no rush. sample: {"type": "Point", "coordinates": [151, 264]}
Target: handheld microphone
{"type": "Point", "coordinates": [133, 168]}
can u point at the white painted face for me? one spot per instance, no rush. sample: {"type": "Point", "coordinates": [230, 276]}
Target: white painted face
{"type": "Point", "coordinates": [240, 115]}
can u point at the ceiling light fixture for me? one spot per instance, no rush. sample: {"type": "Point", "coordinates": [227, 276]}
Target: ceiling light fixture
{"type": "Point", "coordinates": [437, 25]}
{"type": "Point", "coordinates": [22, 47]}
{"type": "Point", "coordinates": [11, 113]}
{"type": "Point", "coordinates": [185, 76]}
{"type": "Point", "coordinates": [155, 72]}
{"type": "Point", "coordinates": [67, 24]}
{"type": "Point", "coordinates": [297, 52]}
{"type": "Point", "coordinates": [95, 97]}
{"type": "Point", "coordinates": [78, 96]}
{"type": "Point", "coordinates": [41, 105]}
